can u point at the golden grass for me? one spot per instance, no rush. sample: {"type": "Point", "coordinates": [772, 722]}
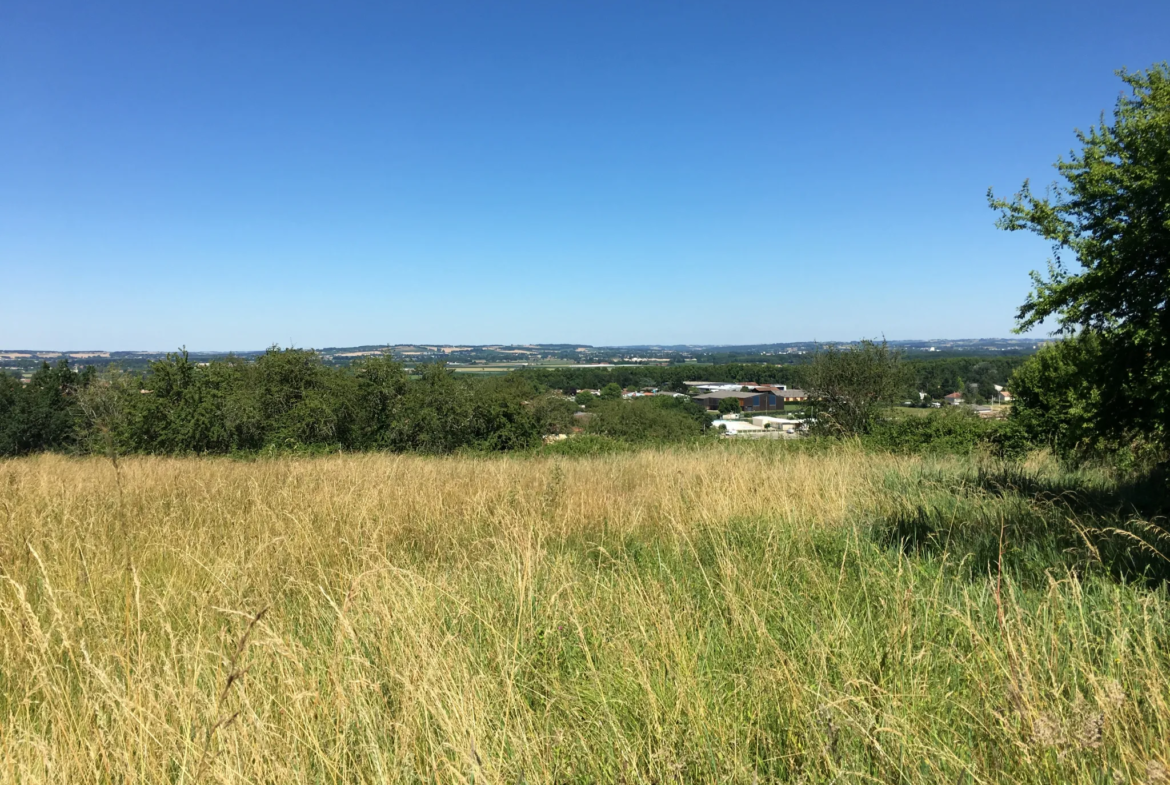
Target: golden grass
{"type": "Point", "coordinates": [707, 615]}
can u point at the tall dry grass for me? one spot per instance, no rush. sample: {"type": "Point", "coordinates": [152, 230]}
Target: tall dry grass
{"type": "Point", "coordinates": [662, 616]}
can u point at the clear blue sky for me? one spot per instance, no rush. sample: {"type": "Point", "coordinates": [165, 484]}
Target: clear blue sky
{"type": "Point", "coordinates": [235, 174]}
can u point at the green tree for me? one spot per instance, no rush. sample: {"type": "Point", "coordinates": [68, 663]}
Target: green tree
{"type": "Point", "coordinates": [611, 392]}
{"type": "Point", "coordinates": [554, 413]}
{"type": "Point", "coordinates": [649, 419]}
{"type": "Point", "coordinates": [501, 422]}
{"type": "Point", "coordinates": [43, 414]}
{"type": "Point", "coordinates": [585, 398]}
{"type": "Point", "coordinates": [382, 386]}
{"type": "Point", "coordinates": [10, 393]}
{"type": "Point", "coordinates": [730, 406]}
{"type": "Point", "coordinates": [187, 408]}
{"type": "Point", "coordinates": [1057, 396]}
{"type": "Point", "coordinates": [303, 401]}
{"type": "Point", "coordinates": [1111, 214]}
{"type": "Point", "coordinates": [849, 386]}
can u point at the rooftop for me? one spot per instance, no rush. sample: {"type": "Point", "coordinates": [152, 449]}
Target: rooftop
{"type": "Point", "coordinates": [728, 394]}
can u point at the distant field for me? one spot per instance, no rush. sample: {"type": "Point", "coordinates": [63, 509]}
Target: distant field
{"type": "Point", "coordinates": [725, 614]}
{"type": "Point", "coordinates": [503, 367]}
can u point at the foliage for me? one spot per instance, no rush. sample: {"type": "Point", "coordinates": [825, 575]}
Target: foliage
{"type": "Point", "coordinates": [975, 377]}
{"type": "Point", "coordinates": [43, 414]}
{"type": "Point", "coordinates": [849, 386]}
{"type": "Point", "coordinates": [554, 413]}
{"type": "Point", "coordinates": [730, 406]}
{"type": "Point", "coordinates": [948, 430]}
{"type": "Point", "coordinates": [611, 392]}
{"type": "Point", "coordinates": [292, 401]}
{"type": "Point", "coordinates": [587, 444]}
{"type": "Point", "coordinates": [284, 400]}
{"type": "Point", "coordinates": [1057, 395]}
{"type": "Point", "coordinates": [1111, 212]}
{"type": "Point", "coordinates": [648, 419]}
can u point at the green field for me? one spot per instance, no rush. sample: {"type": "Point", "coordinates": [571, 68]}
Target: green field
{"type": "Point", "coordinates": [732, 613]}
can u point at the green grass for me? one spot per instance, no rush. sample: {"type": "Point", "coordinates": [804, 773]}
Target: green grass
{"type": "Point", "coordinates": [767, 612]}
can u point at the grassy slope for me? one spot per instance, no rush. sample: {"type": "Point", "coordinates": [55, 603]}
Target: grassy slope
{"type": "Point", "coordinates": [721, 615]}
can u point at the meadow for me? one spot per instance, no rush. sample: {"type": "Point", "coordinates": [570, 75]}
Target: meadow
{"type": "Point", "coordinates": [724, 613]}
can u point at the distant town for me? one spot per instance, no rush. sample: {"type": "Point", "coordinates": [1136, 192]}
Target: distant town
{"type": "Point", "coordinates": [500, 358]}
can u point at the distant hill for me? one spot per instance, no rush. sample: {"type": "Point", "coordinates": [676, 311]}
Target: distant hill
{"type": "Point", "coordinates": [501, 356]}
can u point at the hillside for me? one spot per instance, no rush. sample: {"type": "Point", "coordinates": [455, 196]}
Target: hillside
{"type": "Point", "coordinates": [504, 357]}
{"type": "Point", "coordinates": [731, 613]}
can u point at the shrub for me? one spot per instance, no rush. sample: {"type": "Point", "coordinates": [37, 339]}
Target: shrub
{"type": "Point", "coordinates": [730, 406]}
{"type": "Point", "coordinates": [653, 419]}
{"type": "Point", "coordinates": [586, 444]}
{"type": "Point", "coordinates": [950, 430]}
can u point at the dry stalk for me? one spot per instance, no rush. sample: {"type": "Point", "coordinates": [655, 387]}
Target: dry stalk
{"type": "Point", "coordinates": [235, 674]}
{"type": "Point", "coordinates": [1015, 689]}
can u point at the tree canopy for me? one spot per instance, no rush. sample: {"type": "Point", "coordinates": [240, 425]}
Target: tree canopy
{"type": "Point", "coordinates": [1110, 215]}
{"type": "Point", "coordinates": [730, 406]}
{"type": "Point", "coordinates": [848, 386]}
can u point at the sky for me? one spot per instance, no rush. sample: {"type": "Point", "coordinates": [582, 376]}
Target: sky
{"type": "Point", "coordinates": [233, 175]}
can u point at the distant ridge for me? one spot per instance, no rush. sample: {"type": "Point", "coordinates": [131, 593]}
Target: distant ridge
{"type": "Point", "coordinates": [940, 344]}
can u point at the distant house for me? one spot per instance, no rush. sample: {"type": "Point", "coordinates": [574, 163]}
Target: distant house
{"type": "Point", "coordinates": [1002, 395]}
{"type": "Point", "coordinates": [954, 399]}
{"type": "Point", "coordinates": [755, 401]}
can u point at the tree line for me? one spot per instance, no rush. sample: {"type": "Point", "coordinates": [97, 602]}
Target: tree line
{"type": "Point", "coordinates": [289, 399]}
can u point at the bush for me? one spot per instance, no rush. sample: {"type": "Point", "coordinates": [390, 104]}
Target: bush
{"type": "Point", "coordinates": [586, 444]}
{"type": "Point", "coordinates": [730, 406]}
{"type": "Point", "coordinates": [951, 430]}
{"type": "Point", "coordinates": [611, 392]}
{"type": "Point", "coordinates": [554, 413]}
{"type": "Point", "coordinates": [653, 419]}
{"type": "Point", "coordinates": [43, 414]}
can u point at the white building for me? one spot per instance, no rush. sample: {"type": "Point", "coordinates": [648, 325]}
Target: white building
{"type": "Point", "coordinates": [734, 427]}
{"type": "Point", "coordinates": [778, 424]}
{"type": "Point", "coordinates": [714, 386]}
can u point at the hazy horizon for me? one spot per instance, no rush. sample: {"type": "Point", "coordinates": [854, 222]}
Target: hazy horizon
{"type": "Point", "coordinates": [1027, 338]}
